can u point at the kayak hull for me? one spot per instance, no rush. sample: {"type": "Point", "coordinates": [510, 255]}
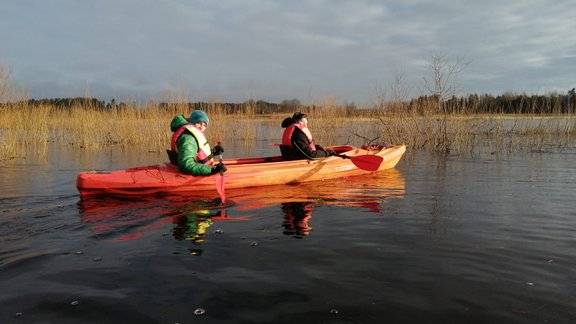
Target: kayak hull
{"type": "Point", "coordinates": [242, 173]}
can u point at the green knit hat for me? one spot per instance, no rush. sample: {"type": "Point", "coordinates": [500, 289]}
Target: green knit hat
{"type": "Point", "coordinates": [198, 116]}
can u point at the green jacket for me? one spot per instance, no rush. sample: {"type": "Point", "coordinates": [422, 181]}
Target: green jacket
{"type": "Point", "coordinates": [187, 146]}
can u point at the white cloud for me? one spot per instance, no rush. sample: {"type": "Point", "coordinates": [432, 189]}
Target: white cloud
{"type": "Point", "coordinates": [277, 50]}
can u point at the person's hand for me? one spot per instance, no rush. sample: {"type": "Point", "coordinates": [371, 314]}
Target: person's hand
{"type": "Point", "coordinates": [330, 153]}
{"type": "Point", "coordinates": [220, 167]}
{"type": "Point", "coordinates": [319, 148]}
{"type": "Point", "coordinates": [217, 150]}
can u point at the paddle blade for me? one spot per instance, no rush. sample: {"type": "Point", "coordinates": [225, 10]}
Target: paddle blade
{"type": "Point", "coordinates": [220, 187]}
{"type": "Point", "coordinates": [367, 162]}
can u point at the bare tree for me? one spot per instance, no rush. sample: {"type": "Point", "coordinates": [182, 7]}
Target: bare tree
{"type": "Point", "coordinates": [444, 81]}
{"type": "Point", "coordinates": [5, 91]}
{"type": "Point", "coordinates": [399, 92]}
{"type": "Point", "coordinates": [380, 97]}
{"type": "Point", "coordinates": [443, 85]}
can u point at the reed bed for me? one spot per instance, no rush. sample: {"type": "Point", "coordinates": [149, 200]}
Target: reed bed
{"type": "Point", "coordinates": [147, 127]}
{"type": "Point", "coordinates": [476, 134]}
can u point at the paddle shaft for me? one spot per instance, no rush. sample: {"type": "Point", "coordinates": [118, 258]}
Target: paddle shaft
{"type": "Point", "coordinates": [220, 181]}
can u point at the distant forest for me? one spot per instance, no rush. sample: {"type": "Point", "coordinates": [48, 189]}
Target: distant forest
{"type": "Point", "coordinates": [472, 104]}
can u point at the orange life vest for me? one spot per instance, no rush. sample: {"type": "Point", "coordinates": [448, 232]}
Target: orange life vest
{"type": "Point", "coordinates": [204, 151]}
{"type": "Point", "coordinates": [286, 137]}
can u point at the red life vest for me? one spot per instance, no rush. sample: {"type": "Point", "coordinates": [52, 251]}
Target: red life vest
{"type": "Point", "coordinates": [286, 137]}
{"type": "Point", "coordinates": [204, 151]}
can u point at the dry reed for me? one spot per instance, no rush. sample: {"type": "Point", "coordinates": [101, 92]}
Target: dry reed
{"type": "Point", "coordinates": [147, 128]}
{"type": "Point", "coordinates": [475, 134]}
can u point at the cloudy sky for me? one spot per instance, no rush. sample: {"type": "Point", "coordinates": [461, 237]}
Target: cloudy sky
{"type": "Point", "coordinates": [236, 50]}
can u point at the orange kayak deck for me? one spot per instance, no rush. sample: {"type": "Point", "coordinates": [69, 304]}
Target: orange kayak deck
{"type": "Point", "coordinates": [242, 173]}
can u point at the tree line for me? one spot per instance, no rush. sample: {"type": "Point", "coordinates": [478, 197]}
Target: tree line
{"type": "Point", "coordinates": [507, 103]}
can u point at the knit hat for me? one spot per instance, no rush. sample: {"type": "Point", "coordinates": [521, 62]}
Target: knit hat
{"type": "Point", "coordinates": [298, 116]}
{"type": "Point", "coordinates": [198, 116]}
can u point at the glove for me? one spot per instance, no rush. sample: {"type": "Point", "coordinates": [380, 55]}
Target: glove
{"type": "Point", "coordinates": [220, 167]}
{"type": "Point", "coordinates": [330, 152]}
{"type": "Point", "coordinates": [217, 150]}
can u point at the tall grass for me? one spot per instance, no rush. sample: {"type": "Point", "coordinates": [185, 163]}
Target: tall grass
{"type": "Point", "coordinates": [142, 127]}
{"type": "Point", "coordinates": [470, 133]}
{"type": "Point", "coordinates": [147, 127]}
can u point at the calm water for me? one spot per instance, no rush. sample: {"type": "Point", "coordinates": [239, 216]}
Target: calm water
{"type": "Point", "coordinates": [486, 240]}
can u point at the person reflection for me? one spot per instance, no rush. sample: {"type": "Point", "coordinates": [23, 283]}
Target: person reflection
{"type": "Point", "coordinates": [193, 226]}
{"type": "Point", "coordinates": [296, 218]}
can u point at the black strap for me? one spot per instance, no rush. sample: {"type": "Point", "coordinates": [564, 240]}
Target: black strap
{"type": "Point", "coordinates": [208, 158]}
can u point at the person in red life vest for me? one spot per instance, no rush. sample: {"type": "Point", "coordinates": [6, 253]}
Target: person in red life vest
{"type": "Point", "coordinates": [296, 218]}
{"type": "Point", "coordinates": [297, 140]}
{"type": "Point", "coordinates": [189, 148]}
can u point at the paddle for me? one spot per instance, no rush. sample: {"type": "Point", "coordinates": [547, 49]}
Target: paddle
{"type": "Point", "coordinates": [368, 162]}
{"type": "Point", "coordinates": [365, 162]}
{"type": "Point", "coordinates": [220, 181]}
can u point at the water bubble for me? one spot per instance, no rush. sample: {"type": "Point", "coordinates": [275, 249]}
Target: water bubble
{"type": "Point", "coordinates": [254, 243]}
{"type": "Point", "coordinates": [97, 259]}
{"type": "Point", "coordinates": [19, 314]}
{"type": "Point", "coordinates": [219, 231]}
{"type": "Point", "coordinates": [333, 311]}
{"type": "Point", "coordinates": [74, 303]}
{"type": "Point", "coordinates": [60, 206]}
{"type": "Point", "coordinates": [78, 252]}
{"type": "Point", "coordinates": [199, 311]}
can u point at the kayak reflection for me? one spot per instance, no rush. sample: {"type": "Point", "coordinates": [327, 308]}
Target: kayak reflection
{"type": "Point", "coordinates": [367, 192]}
{"type": "Point", "coordinates": [191, 216]}
{"type": "Point", "coordinates": [126, 219]}
{"type": "Point", "coordinates": [370, 192]}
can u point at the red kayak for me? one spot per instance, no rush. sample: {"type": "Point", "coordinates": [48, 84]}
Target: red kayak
{"type": "Point", "coordinates": [242, 173]}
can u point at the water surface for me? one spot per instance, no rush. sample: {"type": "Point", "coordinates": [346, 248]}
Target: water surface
{"type": "Point", "coordinates": [483, 240]}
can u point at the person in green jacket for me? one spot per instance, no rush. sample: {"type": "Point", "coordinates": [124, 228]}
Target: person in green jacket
{"type": "Point", "coordinates": [190, 149]}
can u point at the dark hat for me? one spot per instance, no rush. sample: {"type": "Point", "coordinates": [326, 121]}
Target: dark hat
{"type": "Point", "coordinates": [298, 116]}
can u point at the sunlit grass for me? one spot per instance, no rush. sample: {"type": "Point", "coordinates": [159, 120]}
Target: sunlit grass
{"type": "Point", "coordinates": [474, 134]}
{"type": "Point", "coordinates": [148, 128]}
